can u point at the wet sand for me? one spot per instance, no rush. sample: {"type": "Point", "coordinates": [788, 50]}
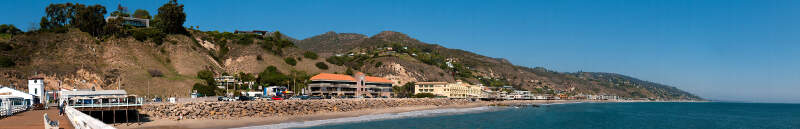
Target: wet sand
{"type": "Point", "coordinates": [255, 121]}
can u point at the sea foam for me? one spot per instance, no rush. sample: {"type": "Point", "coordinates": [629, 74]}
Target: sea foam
{"type": "Point", "coordinates": [364, 118]}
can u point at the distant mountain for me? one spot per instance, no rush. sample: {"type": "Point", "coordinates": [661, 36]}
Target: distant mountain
{"type": "Point", "coordinates": [411, 60]}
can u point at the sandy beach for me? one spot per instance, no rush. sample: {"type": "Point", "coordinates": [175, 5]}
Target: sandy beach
{"type": "Point", "coordinates": [255, 121]}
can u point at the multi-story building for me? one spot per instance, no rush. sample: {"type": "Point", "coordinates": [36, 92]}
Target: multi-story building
{"type": "Point", "coordinates": [326, 84]}
{"type": "Point", "coordinates": [435, 88]}
{"type": "Point", "coordinates": [451, 90]}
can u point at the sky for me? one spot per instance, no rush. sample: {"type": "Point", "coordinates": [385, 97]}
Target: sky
{"type": "Point", "coordinates": [730, 50]}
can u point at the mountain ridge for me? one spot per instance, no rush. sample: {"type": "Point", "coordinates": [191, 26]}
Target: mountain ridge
{"type": "Point", "coordinates": [488, 70]}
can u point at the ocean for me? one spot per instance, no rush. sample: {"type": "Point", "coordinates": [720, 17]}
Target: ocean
{"type": "Point", "coordinates": [652, 115]}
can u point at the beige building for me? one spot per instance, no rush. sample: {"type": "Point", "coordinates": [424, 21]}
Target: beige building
{"type": "Point", "coordinates": [450, 90]}
{"type": "Point", "coordinates": [436, 88]}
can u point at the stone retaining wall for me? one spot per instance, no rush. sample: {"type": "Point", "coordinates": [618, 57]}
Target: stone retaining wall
{"type": "Point", "coordinates": [229, 110]}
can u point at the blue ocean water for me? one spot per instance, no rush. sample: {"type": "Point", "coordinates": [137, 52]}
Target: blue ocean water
{"type": "Point", "coordinates": [668, 115]}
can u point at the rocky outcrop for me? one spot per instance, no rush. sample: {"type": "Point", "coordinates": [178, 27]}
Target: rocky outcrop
{"type": "Point", "coordinates": [230, 110]}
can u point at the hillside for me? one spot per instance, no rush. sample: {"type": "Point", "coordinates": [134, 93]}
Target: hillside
{"type": "Point", "coordinates": [145, 67]}
{"type": "Point", "coordinates": [150, 67]}
{"type": "Point", "coordinates": [411, 60]}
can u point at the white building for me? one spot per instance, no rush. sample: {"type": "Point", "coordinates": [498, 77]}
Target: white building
{"type": "Point", "coordinates": [36, 88]}
{"type": "Point", "coordinates": [7, 92]}
{"type": "Point", "coordinates": [521, 94]}
{"type": "Point", "coordinates": [67, 95]}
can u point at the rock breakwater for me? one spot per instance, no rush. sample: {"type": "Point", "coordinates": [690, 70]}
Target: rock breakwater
{"type": "Point", "coordinates": [230, 110]}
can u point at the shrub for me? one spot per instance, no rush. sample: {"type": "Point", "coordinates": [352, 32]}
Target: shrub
{"type": "Point", "coordinates": [338, 60]}
{"type": "Point", "coordinates": [157, 36]}
{"type": "Point", "coordinates": [5, 46]}
{"type": "Point", "coordinates": [322, 65]}
{"type": "Point", "coordinates": [245, 39]}
{"type": "Point", "coordinates": [349, 71]}
{"type": "Point", "coordinates": [9, 29]}
{"type": "Point", "coordinates": [6, 61]}
{"type": "Point", "coordinates": [379, 64]}
{"type": "Point", "coordinates": [290, 61]}
{"type": "Point", "coordinates": [311, 55]}
{"type": "Point", "coordinates": [258, 57]}
{"type": "Point", "coordinates": [155, 73]}
{"type": "Point", "coordinates": [424, 95]}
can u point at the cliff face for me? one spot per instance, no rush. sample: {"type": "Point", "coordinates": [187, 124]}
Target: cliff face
{"type": "Point", "coordinates": [77, 60]}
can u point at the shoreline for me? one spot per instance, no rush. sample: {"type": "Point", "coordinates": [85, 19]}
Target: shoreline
{"type": "Point", "coordinates": [265, 121]}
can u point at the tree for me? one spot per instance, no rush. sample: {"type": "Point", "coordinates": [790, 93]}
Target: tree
{"type": "Point", "coordinates": [271, 76]}
{"type": "Point", "coordinates": [121, 11]}
{"type": "Point", "coordinates": [404, 91]}
{"type": "Point", "coordinates": [9, 29]}
{"type": "Point", "coordinates": [246, 76]}
{"type": "Point", "coordinates": [89, 19]}
{"type": "Point", "coordinates": [57, 15]}
{"type": "Point", "coordinates": [204, 90]}
{"type": "Point", "coordinates": [170, 18]}
{"type": "Point", "coordinates": [298, 79]}
{"type": "Point", "coordinates": [207, 76]}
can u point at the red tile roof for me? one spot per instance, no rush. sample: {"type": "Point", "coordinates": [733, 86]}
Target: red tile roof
{"type": "Point", "coordinates": [335, 77]}
{"type": "Point", "coordinates": [377, 79]}
{"type": "Point", "coordinates": [342, 77]}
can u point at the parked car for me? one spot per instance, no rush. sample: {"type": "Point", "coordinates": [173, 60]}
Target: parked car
{"type": "Point", "coordinates": [225, 98]}
{"type": "Point", "coordinates": [157, 99]}
{"type": "Point", "coordinates": [276, 98]}
{"type": "Point", "coordinates": [315, 97]}
{"type": "Point", "coordinates": [222, 98]}
{"type": "Point", "coordinates": [245, 98]}
{"type": "Point", "coordinates": [299, 97]}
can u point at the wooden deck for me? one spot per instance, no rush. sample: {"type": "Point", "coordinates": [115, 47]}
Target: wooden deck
{"type": "Point", "coordinates": [33, 119]}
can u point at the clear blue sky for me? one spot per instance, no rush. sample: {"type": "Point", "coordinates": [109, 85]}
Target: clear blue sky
{"type": "Point", "coordinates": [733, 50]}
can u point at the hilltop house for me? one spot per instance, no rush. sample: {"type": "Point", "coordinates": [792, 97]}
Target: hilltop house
{"type": "Point", "coordinates": [136, 22]}
{"type": "Point", "coordinates": [326, 84]}
{"type": "Point", "coordinates": [257, 32]}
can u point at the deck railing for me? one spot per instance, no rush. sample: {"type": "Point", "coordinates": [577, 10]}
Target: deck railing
{"type": "Point", "coordinates": [83, 121]}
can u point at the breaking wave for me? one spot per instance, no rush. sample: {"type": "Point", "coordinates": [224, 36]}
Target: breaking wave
{"type": "Point", "coordinates": [364, 118]}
